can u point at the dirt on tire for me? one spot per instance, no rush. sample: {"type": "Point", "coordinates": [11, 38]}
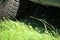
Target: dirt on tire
{"type": "Point", "coordinates": [8, 8]}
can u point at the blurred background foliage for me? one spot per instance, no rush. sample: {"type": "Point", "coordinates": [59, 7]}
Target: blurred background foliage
{"type": "Point", "coordinates": [49, 13]}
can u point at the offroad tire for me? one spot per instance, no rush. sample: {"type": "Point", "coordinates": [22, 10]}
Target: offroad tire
{"type": "Point", "coordinates": [8, 8]}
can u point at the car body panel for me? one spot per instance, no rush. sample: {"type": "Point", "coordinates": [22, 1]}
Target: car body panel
{"type": "Point", "coordinates": [55, 3]}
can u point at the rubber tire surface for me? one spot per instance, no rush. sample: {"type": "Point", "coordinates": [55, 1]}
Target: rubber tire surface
{"type": "Point", "coordinates": [8, 8]}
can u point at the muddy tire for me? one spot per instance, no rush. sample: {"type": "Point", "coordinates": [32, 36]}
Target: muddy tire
{"type": "Point", "coordinates": [8, 8]}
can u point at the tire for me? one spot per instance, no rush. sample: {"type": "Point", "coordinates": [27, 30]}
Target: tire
{"type": "Point", "coordinates": [8, 8]}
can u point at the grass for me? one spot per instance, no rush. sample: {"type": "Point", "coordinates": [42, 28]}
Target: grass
{"type": "Point", "coordinates": [17, 30]}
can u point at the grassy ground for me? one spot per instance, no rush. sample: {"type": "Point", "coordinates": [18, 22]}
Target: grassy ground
{"type": "Point", "coordinates": [18, 30]}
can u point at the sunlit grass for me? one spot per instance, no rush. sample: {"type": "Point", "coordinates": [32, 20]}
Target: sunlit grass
{"type": "Point", "coordinates": [15, 30]}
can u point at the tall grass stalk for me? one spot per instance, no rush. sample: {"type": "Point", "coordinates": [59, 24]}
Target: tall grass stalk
{"type": "Point", "coordinates": [47, 26]}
